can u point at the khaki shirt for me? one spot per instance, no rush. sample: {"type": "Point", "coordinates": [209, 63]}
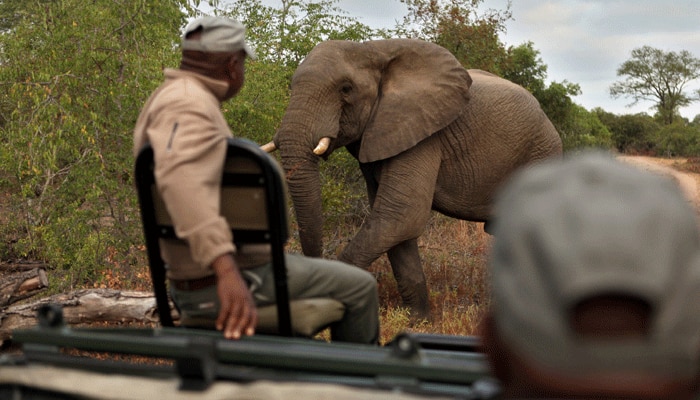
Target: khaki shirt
{"type": "Point", "coordinates": [183, 122]}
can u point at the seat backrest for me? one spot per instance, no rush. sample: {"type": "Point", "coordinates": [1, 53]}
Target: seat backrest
{"type": "Point", "coordinates": [254, 203]}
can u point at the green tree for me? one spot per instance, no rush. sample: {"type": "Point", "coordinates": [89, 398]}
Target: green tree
{"type": "Point", "coordinates": [631, 133]}
{"type": "Point", "coordinates": [679, 140]}
{"type": "Point", "coordinates": [525, 67]}
{"type": "Point", "coordinates": [583, 129]}
{"type": "Point", "coordinates": [10, 11]}
{"type": "Point", "coordinates": [457, 26]}
{"type": "Point", "coordinates": [74, 76]}
{"type": "Point", "coordinates": [285, 35]}
{"type": "Point", "coordinates": [658, 76]}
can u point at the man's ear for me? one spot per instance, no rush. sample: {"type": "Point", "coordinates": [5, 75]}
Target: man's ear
{"type": "Point", "coordinates": [234, 62]}
{"type": "Point", "coordinates": [231, 66]}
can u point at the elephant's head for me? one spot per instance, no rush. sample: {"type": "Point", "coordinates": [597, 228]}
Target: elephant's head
{"type": "Point", "coordinates": [379, 98]}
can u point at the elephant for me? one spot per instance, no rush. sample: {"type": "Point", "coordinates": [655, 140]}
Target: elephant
{"type": "Point", "coordinates": [428, 135]}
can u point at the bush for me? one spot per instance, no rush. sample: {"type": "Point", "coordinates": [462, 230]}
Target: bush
{"type": "Point", "coordinates": [75, 76]}
{"type": "Point", "coordinates": [632, 133]}
{"type": "Point", "coordinates": [678, 140]}
{"type": "Point", "coordinates": [583, 129]}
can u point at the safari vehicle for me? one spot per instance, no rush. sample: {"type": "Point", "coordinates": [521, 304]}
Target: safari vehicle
{"type": "Point", "coordinates": [200, 364]}
{"type": "Point", "coordinates": [58, 362]}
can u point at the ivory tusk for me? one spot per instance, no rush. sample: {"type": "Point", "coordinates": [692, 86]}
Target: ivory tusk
{"type": "Point", "coordinates": [269, 147]}
{"type": "Point", "coordinates": [322, 145]}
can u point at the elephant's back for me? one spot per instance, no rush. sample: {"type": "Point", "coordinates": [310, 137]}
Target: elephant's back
{"type": "Point", "coordinates": [504, 112]}
{"type": "Point", "coordinates": [501, 97]}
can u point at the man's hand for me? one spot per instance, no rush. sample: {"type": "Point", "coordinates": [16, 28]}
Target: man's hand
{"type": "Point", "coordinates": [237, 314]}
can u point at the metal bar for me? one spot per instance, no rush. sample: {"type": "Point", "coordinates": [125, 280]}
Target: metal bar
{"type": "Point", "coordinates": [303, 356]}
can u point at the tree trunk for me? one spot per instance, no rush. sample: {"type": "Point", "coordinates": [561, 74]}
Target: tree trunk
{"type": "Point", "coordinates": [84, 306]}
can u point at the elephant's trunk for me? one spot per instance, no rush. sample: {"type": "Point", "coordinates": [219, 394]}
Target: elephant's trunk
{"type": "Point", "coordinates": [310, 116]}
{"type": "Point", "coordinates": [301, 168]}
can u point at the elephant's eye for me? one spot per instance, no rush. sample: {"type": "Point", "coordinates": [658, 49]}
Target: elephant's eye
{"type": "Point", "coordinates": [346, 88]}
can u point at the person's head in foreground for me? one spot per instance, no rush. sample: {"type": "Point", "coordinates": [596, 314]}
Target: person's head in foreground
{"type": "Point", "coordinates": [595, 279]}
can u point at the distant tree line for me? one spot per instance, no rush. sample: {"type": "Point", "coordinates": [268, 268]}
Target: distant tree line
{"type": "Point", "coordinates": [661, 77]}
{"type": "Point", "coordinates": [75, 74]}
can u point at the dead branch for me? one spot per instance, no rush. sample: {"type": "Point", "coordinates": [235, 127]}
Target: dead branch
{"type": "Point", "coordinates": [20, 285]}
{"type": "Point", "coordinates": [83, 306]}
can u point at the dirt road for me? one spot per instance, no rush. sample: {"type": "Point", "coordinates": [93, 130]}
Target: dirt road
{"type": "Point", "coordinates": [688, 182]}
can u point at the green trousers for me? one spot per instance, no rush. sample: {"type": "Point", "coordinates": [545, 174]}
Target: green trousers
{"type": "Point", "coordinates": [306, 278]}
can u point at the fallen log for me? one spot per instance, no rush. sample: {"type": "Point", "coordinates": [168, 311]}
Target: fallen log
{"type": "Point", "coordinates": [84, 307]}
{"type": "Point", "coordinates": [20, 285]}
{"type": "Point", "coordinates": [21, 265]}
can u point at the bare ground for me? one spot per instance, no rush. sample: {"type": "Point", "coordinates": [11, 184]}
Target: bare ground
{"type": "Point", "coordinates": [688, 182]}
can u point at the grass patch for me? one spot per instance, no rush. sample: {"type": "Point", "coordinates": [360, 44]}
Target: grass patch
{"type": "Point", "coordinates": [454, 255]}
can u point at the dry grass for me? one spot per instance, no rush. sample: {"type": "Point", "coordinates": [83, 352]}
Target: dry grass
{"type": "Point", "coordinates": [454, 256]}
{"type": "Point", "coordinates": [691, 165]}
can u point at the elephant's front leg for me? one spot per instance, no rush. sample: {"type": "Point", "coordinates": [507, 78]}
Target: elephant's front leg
{"type": "Point", "coordinates": [401, 193]}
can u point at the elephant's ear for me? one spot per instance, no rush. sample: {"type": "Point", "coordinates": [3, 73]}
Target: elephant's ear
{"type": "Point", "coordinates": [424, 88]}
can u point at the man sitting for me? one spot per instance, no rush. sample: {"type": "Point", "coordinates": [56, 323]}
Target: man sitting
{"type": "Point", "coordinates": [213, 283]}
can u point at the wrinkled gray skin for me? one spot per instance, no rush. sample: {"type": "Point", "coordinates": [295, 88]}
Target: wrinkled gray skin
{"type": "Point", "coordinates": [427, 133]}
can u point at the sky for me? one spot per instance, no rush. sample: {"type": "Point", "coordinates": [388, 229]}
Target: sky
{"type": "Point", "coordinates": [581, 41]}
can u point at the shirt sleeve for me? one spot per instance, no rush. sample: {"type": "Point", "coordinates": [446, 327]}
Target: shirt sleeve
{"type": "Point", "coordinates": [189, 143]}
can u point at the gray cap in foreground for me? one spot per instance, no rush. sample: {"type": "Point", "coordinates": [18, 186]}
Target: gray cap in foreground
{"type": "Point", "coordinates": [571, 230]}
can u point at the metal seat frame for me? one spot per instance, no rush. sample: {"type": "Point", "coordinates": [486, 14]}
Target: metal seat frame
{"type": "Point", "coordinates": [247, 166]}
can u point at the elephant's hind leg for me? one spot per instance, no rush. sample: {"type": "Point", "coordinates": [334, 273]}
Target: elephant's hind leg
{"type": "Point", "coordinates": [408, 271]}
